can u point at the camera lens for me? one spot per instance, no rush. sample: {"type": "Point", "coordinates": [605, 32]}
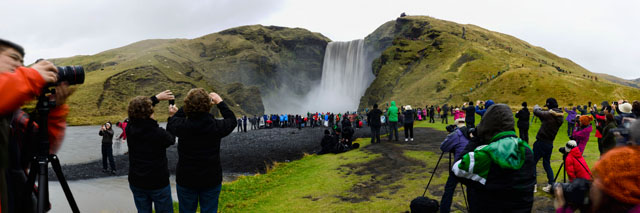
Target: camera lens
{"type": "Point", "coordinates": [71, 74]}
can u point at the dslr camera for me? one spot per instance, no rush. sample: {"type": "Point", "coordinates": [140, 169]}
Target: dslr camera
{"type": "Point", "coordinates": [576, 193]}
{"type": "Point", "coordinates": [71, 74]}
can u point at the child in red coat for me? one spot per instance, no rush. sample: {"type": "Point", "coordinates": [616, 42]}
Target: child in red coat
{"type": "Point", "coordinates": [575, 164]}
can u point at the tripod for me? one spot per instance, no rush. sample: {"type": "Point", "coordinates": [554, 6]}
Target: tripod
{"type": "Point", "coordinates": [434, 172]}
{"type": "Point", "coordinates": [562, 167]}
{"type": "Point", "coordinates": [40, 162]}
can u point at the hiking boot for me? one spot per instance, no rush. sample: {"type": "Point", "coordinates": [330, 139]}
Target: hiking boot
{"type": "Point", "coordinates": [411, 139]}
{"type": "Point", "coordinates": [547, 188]}
{"type": "Point", "coordinates": [406, 139]}
{"type": "Point", "coordinates": [535, 188]}
{"type": "Point", "coordinates": [113, 172]}
{"type": "Point", "coordinates": [105, 171]}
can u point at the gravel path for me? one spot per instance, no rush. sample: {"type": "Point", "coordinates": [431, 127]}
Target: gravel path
{"type": "Point", "coordinates": [248, 152]}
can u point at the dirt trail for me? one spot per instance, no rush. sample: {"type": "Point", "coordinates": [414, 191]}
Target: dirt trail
{"type": "Point", "coordinates": [393, 164]}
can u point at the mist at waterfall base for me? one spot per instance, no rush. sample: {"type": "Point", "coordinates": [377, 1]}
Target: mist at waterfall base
{"type": "Point", "coordinates": [346, 74]}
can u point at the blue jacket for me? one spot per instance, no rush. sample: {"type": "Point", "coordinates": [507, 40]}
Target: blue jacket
{"type": "Point", "coordinates": [486, 106]}
{"type": "Point", "coordinates": [455, 143]}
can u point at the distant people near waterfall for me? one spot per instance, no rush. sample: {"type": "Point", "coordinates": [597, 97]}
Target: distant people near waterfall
{"type": "Point", "coordinates": [432, 114]}
{"type": "Point", "coordinates": [393, 113]}
{"type": "Point", "coordinates": [445, 112]}
{"type": "Point", "coordinates": [375, 121]}
{"type": "Point", "coordinates": [523, 122]}
{"type": "Point", "coordinates": [408, 123]}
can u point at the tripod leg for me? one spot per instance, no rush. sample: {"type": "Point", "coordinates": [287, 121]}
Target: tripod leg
{"type": "Point", "coordinates": [55, 163]}
{"type": "Point", "coordinates": [558, 173]}
{"type": "Point", "coordinates": [31, 180]}
{"type": "Point", "coordinates": [465, 196]}
{"type": "Point", "coordinates": [434, 173]}
{"type": "Point", "coordinates": [43, 184]}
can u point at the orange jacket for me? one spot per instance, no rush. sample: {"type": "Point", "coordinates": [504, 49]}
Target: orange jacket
{"type": "Point", "coordinates": [18, 87]}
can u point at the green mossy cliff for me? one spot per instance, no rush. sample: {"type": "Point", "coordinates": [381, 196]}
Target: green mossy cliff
{"type": "Point", "coordinates": [431, 61]}
{"type": "Point", "coordinates": [243, 64]}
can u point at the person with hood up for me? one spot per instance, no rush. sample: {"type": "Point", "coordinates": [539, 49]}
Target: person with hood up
{"type": "Point", "coordinates": [523, 122]}
{"type": "Point", "coordinates": [487, 104]}
{"type": "Point", "coordinates": [543, 147]}
{"type": "Point", "coordinates": [408, 123]}
{"type": "Point", "coordinates": [432, 114]}
{"type": "Point", "coordinates": [575, 164]}
{"type": "Point", "coordinates": [374, 121]}
{"type": "Point", "coordinates": [571, 120]}
{"type": "Point", "coordinates": [392, 115]}
{"type": "Point", "coordinates": [148, 165]}
{"type": "Point", "coordinates": [454, 143]}
{"type": "Point", "coordinates": [581, 134]}
{"type": "Point", "coordinates": [470, 117]}
{"type": "Point", "coordinates": [500, 170]}
{"type": "Point", "coordinates": [328, 143]}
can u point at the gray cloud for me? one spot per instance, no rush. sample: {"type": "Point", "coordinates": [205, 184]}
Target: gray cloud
{"type": "Point", "coordinates": [599, 35]}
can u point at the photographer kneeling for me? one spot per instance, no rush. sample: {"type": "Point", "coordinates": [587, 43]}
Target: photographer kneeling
{"type": "Point", "coordinates": [499, 171]}
{"type": "Point", "coordinates": [454, 143]}
{"type": "Point", "coordinates": [199, 173]}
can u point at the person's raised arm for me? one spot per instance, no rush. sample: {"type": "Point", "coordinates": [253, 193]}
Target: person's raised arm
{"type": "Point", "coordinates": [228, 122]}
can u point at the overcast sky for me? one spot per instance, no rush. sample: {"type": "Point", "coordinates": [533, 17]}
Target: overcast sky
{"type": "Point", "coordinates": [602, 36]}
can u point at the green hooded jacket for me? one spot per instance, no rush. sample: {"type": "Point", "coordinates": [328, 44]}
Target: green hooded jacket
{"type": "Point", "coordinates": [393, 112]}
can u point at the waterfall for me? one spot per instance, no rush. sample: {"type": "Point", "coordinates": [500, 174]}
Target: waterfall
{"type": "Point", "coordinates": [346, 75]}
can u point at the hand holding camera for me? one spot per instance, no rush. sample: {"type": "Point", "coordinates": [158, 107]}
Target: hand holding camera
{"type": "Point", "coordinates": [165, 95]}
{"type": "Point", "coordinates": [47, 70]}
{"type": "Point", "coordinates": [215, 98]}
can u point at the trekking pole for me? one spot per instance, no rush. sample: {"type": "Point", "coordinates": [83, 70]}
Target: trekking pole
{"type": "Point", "coordinates": [434, 173]}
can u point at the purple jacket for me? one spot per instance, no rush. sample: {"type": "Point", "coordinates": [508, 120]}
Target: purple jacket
{"type": "Point", "coordinates": [455, 142]}
{"type": "Point", "coordinates": [571, 115]}
{"type": "Point", "coordinates": [582, 137]}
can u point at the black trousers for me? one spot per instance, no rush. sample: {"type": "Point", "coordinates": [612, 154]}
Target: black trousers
{"type": "Point", "coordinates": [524, 133]}
{"type": "Point", "coordinates": [107, 152]}
{"type": "Point", "coordinates": [445, 119]}
{"type": "Point", "coordinates": [408, 130]}
{"type": "Point", "coordinates": [431, 119]}
{"type": "Point", "coordinates": [375, 134]}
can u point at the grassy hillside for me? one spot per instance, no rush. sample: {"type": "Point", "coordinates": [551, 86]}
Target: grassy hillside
{"type": "Point", "coordinates": [632, 83]}
{"type": "Point", "coordinates": [437, 61]}
{"type": "Point", "coordinates": [244, 64]}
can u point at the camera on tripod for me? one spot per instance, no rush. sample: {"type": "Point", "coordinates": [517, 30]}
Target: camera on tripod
{"type": "Point", "coordinates": [39, 163]}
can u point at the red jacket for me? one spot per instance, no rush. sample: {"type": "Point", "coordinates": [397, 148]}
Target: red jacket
{"type": "Point", "coordinates": [19, 87]}
{"type": "Point", "coordinates": [573, 167]}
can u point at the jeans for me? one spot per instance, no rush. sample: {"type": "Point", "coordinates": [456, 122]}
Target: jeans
{"type": "Point", "coordinates": [449, 189]}
{"type": "Point", "coordinates": [375, 134]}
{"type": "Point", "coordinates": [161, 199]}
{"type": "Point", "coordinates": [107, 152]}
{"type": "Point", "coordinates": [393, 129]}
{"type": "Point", "coordinates": [189, 198]}
{"type": "Point", "coordinates": [408, 130]}
{"type": "Point", "coordinates": [542, 149]}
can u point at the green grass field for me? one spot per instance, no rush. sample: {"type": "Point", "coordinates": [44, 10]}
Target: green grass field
{"type": "Point", "coordinates": [316, 183]}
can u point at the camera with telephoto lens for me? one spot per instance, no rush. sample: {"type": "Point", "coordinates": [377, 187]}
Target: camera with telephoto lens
{"type": "Point", "coordinates": [623, 133]}
{"type": "Point", "coordinates": [71, 74]}
{"type": "Point", "coordinates": [576, 193]}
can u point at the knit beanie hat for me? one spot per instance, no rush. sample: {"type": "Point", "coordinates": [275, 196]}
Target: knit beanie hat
{"type": "Point", "coordinates": [524, 104]}
{"type": "Point", "coordinates": [570, 145]}
{"type": "Point", "coordinates": [618, 174]}
{"type": "Point", "coordinates": [585, 120]}
{"type": "Point", "coordinates": [625, 108]}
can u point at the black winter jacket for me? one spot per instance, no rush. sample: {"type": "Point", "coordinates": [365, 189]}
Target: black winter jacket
{"type": "Point", "coordinates": [199, 138]}
{"type": "Point", "coordinates": [107, 136]}
{"type": "Point", "coordinates": [373, 118]}
{"type": "Point", "coordinates": [470, 114]}
{"type": "Point", "coordinates": [551, 122]}
{"type": "Point", "coordinates": [523, 118]}
{"type": "Point", "coordinates": [148, 142]}
{"type": "Point", "coordinates": [408, 116]}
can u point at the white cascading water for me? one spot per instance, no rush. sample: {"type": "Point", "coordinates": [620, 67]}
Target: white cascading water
{"type": "Point", "coordinates": [345, 78]}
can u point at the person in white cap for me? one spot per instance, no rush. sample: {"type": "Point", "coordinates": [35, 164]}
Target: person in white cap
{"type": "Point", "coordinates": [625, 116]}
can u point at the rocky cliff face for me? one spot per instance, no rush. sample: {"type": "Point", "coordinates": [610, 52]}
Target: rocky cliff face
{"type": "Point", "coordinates": [431, 61]}
{"type": "Point", "coordinates": [249, 66]}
